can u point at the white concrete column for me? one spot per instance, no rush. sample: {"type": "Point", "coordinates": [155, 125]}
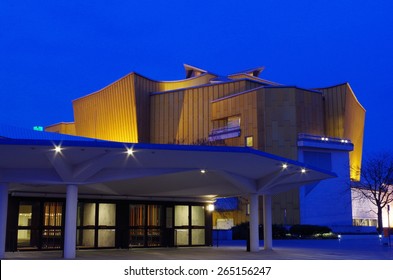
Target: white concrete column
{"type": "Point", "coordinates": [3, 217]}
{"type": "Point", "coordinates": [267, 222]}
{"type": "Point", "coordinates": [70, 222]}
{"type": "Point", "coordinates": [254, 222]}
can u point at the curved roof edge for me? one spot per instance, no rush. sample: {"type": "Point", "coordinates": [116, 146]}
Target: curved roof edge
{"type": "Point", "coordinates": [214, 83]}
{"type": "Point", "coordinates": [252, 72]}
{"type": "Point", "coordinates": [147, 78]}
{"type": "Point", "coordinates": [13, 133]}
{"type": "Point", "coordinates": [350, 88]}
{"type": "Point", "coordinates": [81, 142]}
{"type": "Point", "coordinates": [108, 85]}
{"type": "Point", "coordinates": [354, 95]}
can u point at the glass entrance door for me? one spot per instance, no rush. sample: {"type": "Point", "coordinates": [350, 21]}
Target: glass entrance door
{"type": "Point", "coordinates": [96, 225]}
{"type": "Point", "coordinates": [106, 224]}
{"type": "Point", "coordinates": [28, 225]}
{"type": "Point", "coordinates": [52, 225]}
{"type": "Point", "coordinates": [182, 224]}
{"type": "Point", "coordinates": [145, 225]}
{"type": "Point", "coordinates": [189, 225]}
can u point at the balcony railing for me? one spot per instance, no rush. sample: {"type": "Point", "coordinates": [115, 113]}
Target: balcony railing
{"type": "Point", "coordinates": [224, 133]}
{"type": "Point", "coordinates": [304, 136]}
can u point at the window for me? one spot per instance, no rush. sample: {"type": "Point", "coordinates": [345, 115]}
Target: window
{"type": "Point", "coordinates": [145, 225]}
{"type": "Point", "coordinates": [249, 141]}
{"type": "Point", "coordinates": [107, 214]}
{"type": "Point", "coordinates": [197, 215]}
{"type": "Point", "coordinates": [365, 222]}
{"type": "Point", "coordinates": [137, 215]}
{"type": "Point", "coordinates": [198, 223]}
{"type": "Point", "coordinates": [181, 215]}
{"type": "Point", "coordinates": [86, 221]}
{"type": "Point", "coordinates": [86, 214]}
{"type": "Point", "coordinates": [25, 225]}
{"type": "Point", "coordinates": [51, 235]}
{"type": "Point", "coordinates": [96, 225]}
{"type": "Point", "coordinates": [225, 128]}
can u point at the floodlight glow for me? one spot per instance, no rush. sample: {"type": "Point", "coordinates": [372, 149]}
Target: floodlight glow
{"type": "Point", "coordinates": [58, 149]}
{"type": "Point", "coordinates": [130, 151]}
{"type": "Point", "coordinates": [203, 171]}
{"type": "Point", "coordinates": [284, 166]}
{"type": "Point", "coordinates": [303, 170]}
{"type": "Point", "coordinates": [210, 207]}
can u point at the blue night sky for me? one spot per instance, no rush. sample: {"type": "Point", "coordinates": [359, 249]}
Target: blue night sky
{"type": "Point", "coordinates": [53, 52]}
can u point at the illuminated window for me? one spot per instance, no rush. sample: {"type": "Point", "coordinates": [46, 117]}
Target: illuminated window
{"type": "Point", "coordinates": [226, 128]}
{"type": "Point", "coordinates": [137, 215]}
{"type": "Point", "coordinates": [181, 215]}
{"type": "Point", "coordinates": [233, 122]}
{"type": "Point", "coordinates": [197, 215]}
{"type": "Point", "coordinates": [249, 141]}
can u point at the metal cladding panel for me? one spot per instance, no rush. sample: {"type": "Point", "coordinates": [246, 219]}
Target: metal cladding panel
{"type": "Point", "coordinates": [355, 116]}
{"type": "Point", "coordinates": [192, 82]}
{"type": "Point", "coordinates": [143, 88]}
{"type": "Point", "coordinates": [345, 118]}
{"type": "Point", "coordinates": [245, 107]}
{"type": "Point", "coordinates": [185, 116]}
{"type": "Point", "coordinates": [335, 110]}
{"type": "Point", "coordinates": [63, 128]}
{"type": "Point", "coordinates": [289, 111]}
{"type": "Point", "coordinates": [310, 112]}
{"type": "Point", "coordinates": [108, 114]}
{"type": "Point", "coordinates": [281, 122]}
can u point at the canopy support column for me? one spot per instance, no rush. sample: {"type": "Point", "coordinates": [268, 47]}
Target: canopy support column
{"type": "Point", "coordinates": [70, 222]}
{"type": "Point", "coordinates": [267, 221]}
{"type": "Point", "coordinates": [3, 217]}
{"type": "Point", "coordinates": [254, 222]}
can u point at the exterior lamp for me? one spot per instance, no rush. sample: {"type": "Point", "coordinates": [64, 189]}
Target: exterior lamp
{"type": "Point", "coordinates": [203, 171]}
{"type": "Point", "coordinates": [210, 207]}
{"type": "Point", "coordinates": [57, 149]}
{"type": "Point", "coordinates": [130, 151]}
{"type": "Point", "coordinates": [303, 170]}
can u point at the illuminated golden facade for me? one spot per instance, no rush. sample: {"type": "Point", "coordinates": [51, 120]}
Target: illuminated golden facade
{"type": "Point", "coordinates": [241, 109]}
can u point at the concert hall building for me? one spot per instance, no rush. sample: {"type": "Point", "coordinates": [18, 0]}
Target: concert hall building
{"type": "Point", "coordinates": [143, 163]}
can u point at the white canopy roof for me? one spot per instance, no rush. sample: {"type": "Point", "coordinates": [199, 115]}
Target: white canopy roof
{"type": "Point", "coordinates": [145, 171]}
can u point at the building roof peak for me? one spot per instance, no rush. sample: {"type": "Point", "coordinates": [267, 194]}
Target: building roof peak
{"type": "Point", "coordinates": [255, 72]}
{"type": "Point", "coordinates": [192, 71]}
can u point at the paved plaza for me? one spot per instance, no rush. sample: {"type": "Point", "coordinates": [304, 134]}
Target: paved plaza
{"type": "Point", "coordinates": [347, 248]}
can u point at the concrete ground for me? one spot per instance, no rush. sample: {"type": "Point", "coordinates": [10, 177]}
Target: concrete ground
{"type": "Point", "coordinates": [347, 248]}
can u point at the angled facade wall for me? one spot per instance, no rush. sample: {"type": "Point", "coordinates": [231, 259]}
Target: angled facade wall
{"type": "Point", "coordinates": [344, 118]}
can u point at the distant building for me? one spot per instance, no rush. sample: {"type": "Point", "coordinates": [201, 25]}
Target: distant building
{"type": "Point", "coordinates": [365, 212]}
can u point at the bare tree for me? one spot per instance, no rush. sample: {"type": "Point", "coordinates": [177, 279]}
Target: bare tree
{"type": "Point", "coordinates": [376, 182]}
